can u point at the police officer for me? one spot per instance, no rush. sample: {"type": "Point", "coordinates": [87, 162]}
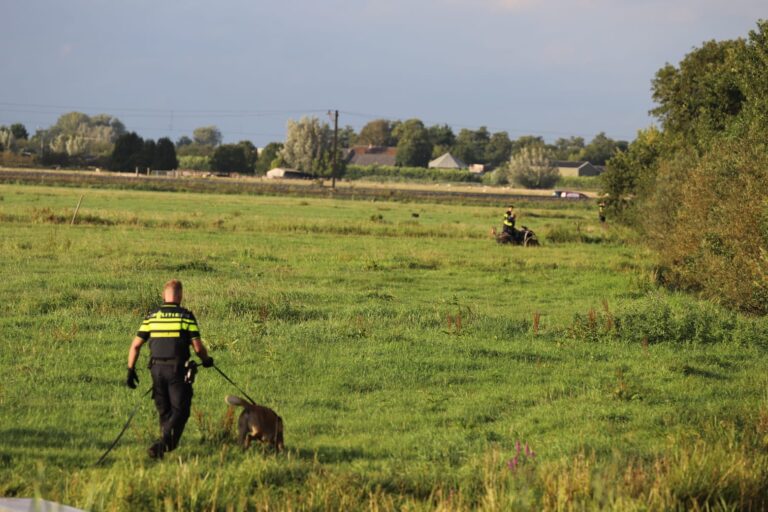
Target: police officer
{"type": "Point", "coordinates": [170, 330]}
{"type": "Point", "coordinates": [601, 211]}
{"type": "Point", "coordinates": [509, 222]}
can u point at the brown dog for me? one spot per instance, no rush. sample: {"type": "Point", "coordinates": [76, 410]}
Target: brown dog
{"type": "Point", "coordinates": [258, 422]}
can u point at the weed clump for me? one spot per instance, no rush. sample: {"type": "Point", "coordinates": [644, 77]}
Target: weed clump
{"type": "Point", "coordinates": [657, 318]}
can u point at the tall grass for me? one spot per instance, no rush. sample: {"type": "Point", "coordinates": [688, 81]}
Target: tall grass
{"type": "Point", "coordinates": [408, 356]}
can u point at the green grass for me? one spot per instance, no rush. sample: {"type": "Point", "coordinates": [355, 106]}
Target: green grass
{"type": "Point", "coordinates": [344, 317]}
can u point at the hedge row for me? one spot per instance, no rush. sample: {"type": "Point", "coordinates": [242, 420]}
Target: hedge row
{"type": "Point", "coordinates": [392, 173]}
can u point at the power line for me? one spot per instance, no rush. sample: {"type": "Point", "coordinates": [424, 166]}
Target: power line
{"type": "Point", "coordinates": [215, 114]}
{"type": "Point", "coordinates": [160, 111]}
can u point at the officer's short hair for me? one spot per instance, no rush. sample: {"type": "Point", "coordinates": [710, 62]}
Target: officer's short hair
{"type": "Point", "coordinates": [173, 284]}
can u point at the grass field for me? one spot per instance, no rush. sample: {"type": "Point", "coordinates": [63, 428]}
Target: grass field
{"type": "Point", "coordinates": [407, 353]}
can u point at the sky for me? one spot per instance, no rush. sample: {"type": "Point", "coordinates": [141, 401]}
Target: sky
{"type": "Point", "coordinates": [552, 68]}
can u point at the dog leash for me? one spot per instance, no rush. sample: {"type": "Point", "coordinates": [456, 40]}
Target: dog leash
{"type": "Point", "coordinates": [232, 382]}
{"type": "Point", "coordinates": [114, 443]}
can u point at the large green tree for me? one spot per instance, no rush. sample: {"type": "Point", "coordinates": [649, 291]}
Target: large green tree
{"type": "Point", "coordinates": [229, 158]}
{"type": "Point", "coordinates": [442, 138]}
{"type": "Point", "coordinates": [76, 134]}
{"type": "Point", "coordinates": [702, 93]}
{"type": "Point", "coordinates": [376, 133]}
{"type": "Point", "coordinates": [601, 149]}
{"type": "Point", "coordinates": [471, 145]}
{"type": "Point", "coordinates": [622, 177]}
{"type": "Point", "coordinates": [699, 191]}
{"type": "Point", "coordinates": [568, 148]}
{"type": "Point", "coordinates": [498, 150]}
{"type": "Point", "coordinates": [207, 136]}
{"type": "Point", "coordinates": [19, 131]}
{"type": "Point", "coordinates": [531, 167]}
{"type": "Point", "coordinates": [414, 148]}
{"type": "Point", "coordinates": [308, 146]}
{"type": "Point", "coordinates": [165, 155]}
{"type": "Point", "coordinates": [126, 155]}
{"type": "Point", "coordinates": [347, 137]}
{"type": "Point", "coordinates": [251, 155]}
{"type": "Point", "coordinates": [525, 141]}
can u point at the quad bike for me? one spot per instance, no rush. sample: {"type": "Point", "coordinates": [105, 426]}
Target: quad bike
{"type": "Point", "coordinates": [524, 237]}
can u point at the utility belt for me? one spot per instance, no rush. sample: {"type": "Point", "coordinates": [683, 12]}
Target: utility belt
{"type": "Point", "coordinates": [189, 366]}
{"type": "Point", "coordinates": [174, 361]}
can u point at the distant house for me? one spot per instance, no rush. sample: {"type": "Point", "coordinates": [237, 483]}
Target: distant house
{"type": "Point", "coordinates": [284, 173]}
{"type": "Point", "coordinates": [372, 155]}
{"type": "Point", "coordinates": [447, 161]}
{"type": "Point", "coordinates": [570, 169]}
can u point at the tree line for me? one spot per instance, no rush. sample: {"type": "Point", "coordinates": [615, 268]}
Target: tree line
{"type": "Point", "coordinates": [696, 185]}
{"type": "Point", "coordinates": [102, 140]}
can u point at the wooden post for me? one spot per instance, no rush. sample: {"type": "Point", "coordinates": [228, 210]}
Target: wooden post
{"type": "Point", "coordinates": [74, 216]}
{"type": "Point", "coordinates": [334, 170]}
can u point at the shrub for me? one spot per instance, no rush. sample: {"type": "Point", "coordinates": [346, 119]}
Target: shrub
{"type": "Point", "coordinates": [195, 163]}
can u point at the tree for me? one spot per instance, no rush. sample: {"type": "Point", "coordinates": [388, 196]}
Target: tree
{"type": "Point", "coordinates": [471, 145]}
{"type": "Point", "coordinates": [568, 149]}
{"type": "Point", "coordinates": [526, 141]}
{"type": "Point", "coordinates": [347, 137]}
{"type": "Point", "coordinates": [229, 158]}
{"type": "Point", "coordinates": [414, 148]}
{"type": "Point", "coordinates": [183, 141]}
{"type": "Point", "coordinates": [7, 140]}
{"type": "Point", "coordinates": [532, 168]}
{"type": "Point", "coordinates": [499, 149]}
{"type": "Point", "coordinates": [601, 149]}
{"type": "Point", "coordinates": [207, 136]}
{"type": "Point", "coordinates": [442, 135]}
{"type": "Point", "coordinates": [78, 134]}
{"type": "Point", "coordinates": [195, 149]}
{"type": "Point", "coordinates": [376, 133]}
{"type": "Point", "coordinates": [307, 146]}
{"type": "Point", "coordinates": [703, 94]}
{"type": "Point", "coordinates": [126, 153]}
{"type": "Point", "coordinates": [624, 172]}
{"type": "Point", "coordinates": [147, 154]}
{"type": "Point", "coordinates": [19, 131]}
{"type": "Point", "coordinates": [165, 155]}
{"type": "Point", "coordinates": [251, 155]}
{"type": "Point", "coordinates": [267, 156]}
{"type": "Point", "coordinates": [698, 185]}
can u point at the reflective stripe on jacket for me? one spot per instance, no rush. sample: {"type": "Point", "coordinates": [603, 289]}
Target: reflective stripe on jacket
{"type": "Point", "coordinates": [170, 330]}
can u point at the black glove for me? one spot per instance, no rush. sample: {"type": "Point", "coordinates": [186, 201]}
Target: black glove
{"type": "Point", "coordinates": [207, 362]}
{"type": "Point", "coordinates": [132, 378]}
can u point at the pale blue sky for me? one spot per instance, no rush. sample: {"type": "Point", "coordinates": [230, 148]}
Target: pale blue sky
{"type": "Point", "coordinates": [548, 67]}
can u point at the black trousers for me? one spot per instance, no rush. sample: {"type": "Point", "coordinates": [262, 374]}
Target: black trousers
{"type": "Point", "coordinates": [173, 400]}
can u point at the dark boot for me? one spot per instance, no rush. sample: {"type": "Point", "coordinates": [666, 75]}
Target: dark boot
{"type": "Point", "coordinates": [157, 450]}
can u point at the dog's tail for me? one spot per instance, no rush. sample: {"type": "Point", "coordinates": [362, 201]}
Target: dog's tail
{"type": "Point", "coordinates": [236, 400]}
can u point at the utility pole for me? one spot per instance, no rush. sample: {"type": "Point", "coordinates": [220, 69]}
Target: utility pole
{"type": "Point", "coordinates": [334, 171]}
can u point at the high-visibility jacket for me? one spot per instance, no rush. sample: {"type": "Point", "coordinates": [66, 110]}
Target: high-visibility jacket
{"type": "Point", "coordinates": [509, 222]}
{"type": "Point", "coordinates": [170, 330]}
